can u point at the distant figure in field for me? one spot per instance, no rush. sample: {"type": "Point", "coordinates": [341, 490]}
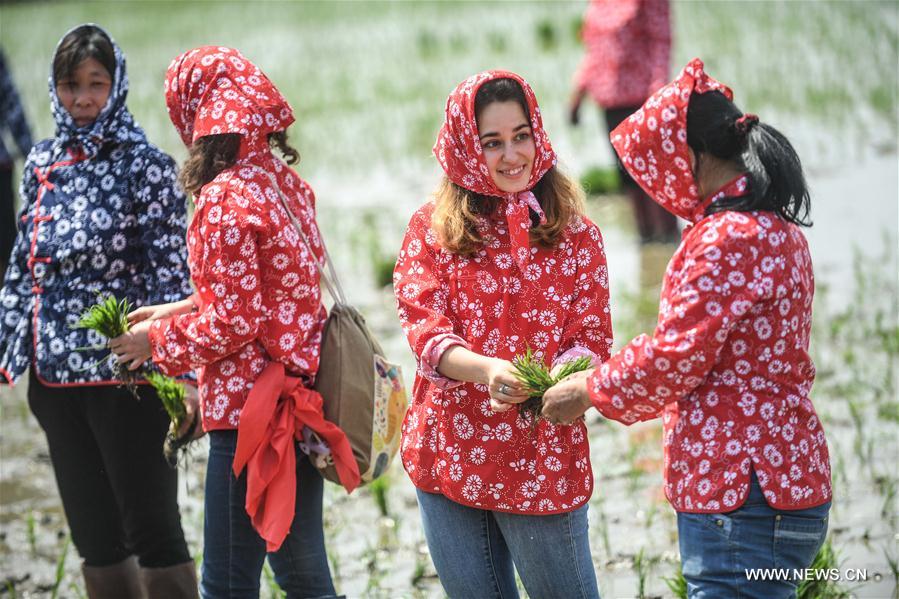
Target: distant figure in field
{"type": "Point", "coordinates": [12, 120]}
{"type": "Point", "coordinates": [628, 45]}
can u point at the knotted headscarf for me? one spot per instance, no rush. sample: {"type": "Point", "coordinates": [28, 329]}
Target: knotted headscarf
{"type": "Point", "coordinates": [652, 143]}
{"type": "Point", "coordinates": [459, 152]}
{"type": "Point", "coordinates": [213, 90]}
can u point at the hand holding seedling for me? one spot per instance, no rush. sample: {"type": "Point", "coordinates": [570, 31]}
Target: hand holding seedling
{"type": "Point", "coordinates": [133, 347]}
{"type": "Point", "coordinates": [567, 400]}
{"type": "Point", "coordinates": [537, 379]}
{"type": "Point", "coordinates": [505, 389]}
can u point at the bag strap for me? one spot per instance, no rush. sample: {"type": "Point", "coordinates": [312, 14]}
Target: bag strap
{"type": "Point", "coordinates": [329, 277]}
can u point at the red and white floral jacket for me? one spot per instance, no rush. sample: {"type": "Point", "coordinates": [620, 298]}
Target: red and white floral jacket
{"type": "Point", "coordinates": [727, 367]}
{"type": "Point", "coordinates": [453, 443]}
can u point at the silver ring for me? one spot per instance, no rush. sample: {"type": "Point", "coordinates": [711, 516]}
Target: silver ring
{"type": "Point", "coordinates": [504, 389]}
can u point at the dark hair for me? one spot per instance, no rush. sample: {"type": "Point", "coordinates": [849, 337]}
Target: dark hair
{"type": "Point", "coordinates": [716, 126]}
{"type": "Point", "coordinates": [500, 90]}
{"type": "Point", "coordinates": [211, 154]}
{"type": "Point", "coordinates": [86, 41]}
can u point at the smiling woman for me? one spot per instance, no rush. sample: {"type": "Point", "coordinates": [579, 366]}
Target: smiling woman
{"type": "Point", "coordinates": [501, 261]}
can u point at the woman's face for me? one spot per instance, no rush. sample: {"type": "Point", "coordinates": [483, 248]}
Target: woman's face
{"type": "Point", "coordinates": [508, 144]}
{"type": "Point", "coordinates": [84, 91]}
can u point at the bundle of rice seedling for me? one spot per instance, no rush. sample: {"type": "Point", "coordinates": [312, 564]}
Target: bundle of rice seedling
{"type": "Point", "coordinates": [109, 317]}
{"type": "Point", "coordinates": [171, 394]}
{"type": "Point", "coordinates": [537, 377]}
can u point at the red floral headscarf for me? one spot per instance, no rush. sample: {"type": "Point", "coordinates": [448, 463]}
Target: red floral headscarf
{"type": "Point", "coordinates": [213, 90]}
{"type": "Point", "coordinates": [652, 143]}
{"type": "Point", "coordinates": [459, 152]}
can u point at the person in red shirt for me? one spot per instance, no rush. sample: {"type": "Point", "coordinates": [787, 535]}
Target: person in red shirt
{"type": "Point", "coordinates": [502, 259]}
{"type": "Point", "coordinates": [252, 331]}
{"type": "Point", "coordinates": [727, 368]}
{"type": "Point", "coordinates": [628, 44]}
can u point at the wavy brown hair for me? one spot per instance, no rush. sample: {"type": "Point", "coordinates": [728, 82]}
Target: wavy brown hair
{"type": "Point", "coordinates": [211, 154]}
{"type": "Point", "coordinates": [457, 211]}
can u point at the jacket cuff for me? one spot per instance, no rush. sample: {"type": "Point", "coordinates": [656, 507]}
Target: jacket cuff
{"type": "Point", "coordinates": [430, 359]}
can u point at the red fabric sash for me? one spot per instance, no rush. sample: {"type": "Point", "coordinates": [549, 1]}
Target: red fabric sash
{"type": "Point", "coordinates": [274, 415]}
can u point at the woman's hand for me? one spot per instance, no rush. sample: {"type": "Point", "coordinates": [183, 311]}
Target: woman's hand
{"type": "Point", "coordinates": [158, 311]}
{"type": "Point", "coordinates": [192, 410]}
{"type": "Point", "coordinates": [567, 400]}
{"type": "Point", "coordinates": [574, 106]}
{"type": "Point", "coordinates": [133, 348]}
{"type": "Point", "coordinates": [504, 387]}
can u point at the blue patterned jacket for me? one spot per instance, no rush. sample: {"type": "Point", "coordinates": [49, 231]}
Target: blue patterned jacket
{"type": "Point", "coordinates": [102, 214]}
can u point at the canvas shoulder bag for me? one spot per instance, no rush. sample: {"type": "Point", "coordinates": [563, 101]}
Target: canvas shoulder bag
{"type": "Point", "coordinates": [363, 392]}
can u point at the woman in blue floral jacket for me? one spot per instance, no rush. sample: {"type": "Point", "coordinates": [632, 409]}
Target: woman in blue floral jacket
{"type": "Point", "coordinates": [101, 215]}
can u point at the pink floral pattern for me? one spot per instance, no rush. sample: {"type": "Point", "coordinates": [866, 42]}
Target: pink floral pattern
{"type": "Point", "coordinates": [727, 367]}
{"type": "Point", "coordinates": [628, 47]}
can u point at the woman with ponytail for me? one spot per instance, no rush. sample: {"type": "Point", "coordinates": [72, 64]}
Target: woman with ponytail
{"type": "Point", "coordinates": [727, 368]}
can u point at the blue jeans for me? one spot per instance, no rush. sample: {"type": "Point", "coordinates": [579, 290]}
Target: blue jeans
{"type": "Point", "coordinates": [477, 551]}
{"type": "Point", "coordinates": [717, 549]}
{"type": "Point", "coordinates": [233, 552]}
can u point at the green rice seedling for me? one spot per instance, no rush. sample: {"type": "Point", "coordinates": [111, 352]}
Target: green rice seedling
{"type": "Point", "coordinates": [379, 488]}
{"type": "Point", "coordinates": [30, 531]}
{"type": "Point", "coordinates": [811, 588]}
{"type": "Point", "coordinates": [642, 566]}
{"type": "Point", "coordinates": [598, 180]}
{"type": "Point", "coordinates": [546, 35]}
{"type": "Point", "coordinates": [274, 591]}
{"type": "Point", "coordinates": [533, 372]}
{"type": "Point", "coordinates": [894, 569]}
{"type": "Point", "coordinates": [109, 317]}
{"type": "Point", "coordinates": [677, 584]}
{"type": "Point", "coordinates": [171, 394]}
{"type": "Point", "coordinates": [76, 590]}
{"type": "Point", "coordinates": [61, 567]}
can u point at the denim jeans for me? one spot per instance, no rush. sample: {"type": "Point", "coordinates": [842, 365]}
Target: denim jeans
{"type": "Point", "coordinates": [717, 549]}
{"type": "Point", "coordinates": [477, 551]}
{"type": "Point", "coordinates": [233, 552]}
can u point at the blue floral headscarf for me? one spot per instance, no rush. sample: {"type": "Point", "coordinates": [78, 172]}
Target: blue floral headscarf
{"type": "Point", "coordinates": [114, 123]}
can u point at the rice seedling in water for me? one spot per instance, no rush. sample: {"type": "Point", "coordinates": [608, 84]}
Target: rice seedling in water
{"type": "Point", "coordinates": [379, 488]}
{"type": "Point", "coordinates": [109, 317]}
{"type": "Point", "coordinates": [32, 535]}
{"type": "Point", "coordinates": [61, 567]}
{"type": "Point", "coordinates": [274, 590]}
{"type": "Point", "coordinates": [827, 559]}
{"type": "Point", "coordinates": [894, 569]}
{"type": "Point", "coordinates": [171, 394]}
{"type": "Point", "coordinates": [677, 584]}
{"type": "Point", "coordinates": [598, 180]}
{"type": "Point", "coordinates": [532, 371]}
{"type": "Point", "coordinates": [643, 566]}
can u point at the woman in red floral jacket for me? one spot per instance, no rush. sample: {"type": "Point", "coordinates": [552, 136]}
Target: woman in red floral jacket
{"type": "Point", "coordinates": [501, 260]}
{"type": "Point", "coordinates": [256, 315]}
{"type": "Point", "coordinates": [627, 48]}
{"type": "Point", "coordinates": [727, 368]}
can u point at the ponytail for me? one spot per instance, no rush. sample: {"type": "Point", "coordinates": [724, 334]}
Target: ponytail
{"type": "Point", "coordinates": [775, 174]}
{"type": "Point", "coordinates": [776, 182]}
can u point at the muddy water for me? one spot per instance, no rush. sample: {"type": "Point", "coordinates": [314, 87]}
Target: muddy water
{"type": "Point", "coordinates": [379, 556]}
